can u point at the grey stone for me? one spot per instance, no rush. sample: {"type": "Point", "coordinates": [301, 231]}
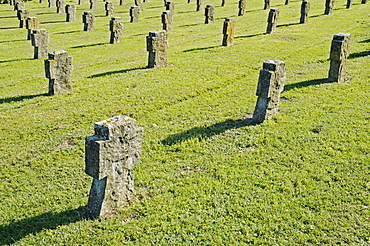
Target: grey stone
{"type": "Point", "coordinates": [339, 53]}
{"type": "Point", "coordinates": [92, 4]}
{"type": "Point", "coordinates": [139, 3]}
{"type": "Point", "coordinates": [32, 23]}
{"type": "Point", "coordinates": [51, 3]}
{"type": "Point", "coordinates": [287, 2]}
{"type": "Point", "coordinates": [200, 4]}
{"type": "Point", "coordinates": [121, 2]}
{"type": "Point", "coordinates": [209, 14]}
{"type": "Point", "coordinates": [57, 69]}
{"type": "Point", "coordinates": [363, 1]}
{"type": "Point", "coordinates": [80, 2]}
{"type": "Point", "coordinates": [267, 4]}
{"type": "Point", "coordinates": [134, 14]}
{"type": "Point", "coordinates": [18, 5]}
{"type": "Point", "coordinates": [272, 21]}
{"type": "Point", "coordinates": [228, 32]}
{"type": "Point", "coordinates": [88, 19]}
{"type": "Point", "coordinates": [349, 4]}
{"type": "Point", "coordinates": [167, 18]}
{"type": "Point", "coordinates": [170, 5]}
{"type": "Point", "coordinates": [329, 5]}
{"type": "Point", "coordinates": [305, 8]}
{"type": "Point", "coordinates": [60, 6]}
{"type": "Point", "coordinates": [110, 158]}
{"type": "Point", "coordinates": [40, 41]}
{"type": "Point", "coordinates": [242, 7]}
{"type": "Point", "coordinates": [116, 27]}
{"type": "Point", "coordinates": [70, 13]}
{"type": "Point", "coordinates": [157, 44]}
{"type": "Point", "coordinates": [22, 17]}
{"type": "Point", "coordinates": [270, 85]}
{"type": "Point", "coordinates": [109, 8]}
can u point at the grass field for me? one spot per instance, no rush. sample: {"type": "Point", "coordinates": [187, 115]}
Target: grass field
{"type": "Point", "coordinates": [302, 178]}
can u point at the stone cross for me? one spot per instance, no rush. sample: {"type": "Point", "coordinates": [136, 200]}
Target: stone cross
{"type": "Point", "coordinates": [134, 14]}
{"type": "Point", "coordinates": [51, 3]}
{"type": "Point", "coordinates": [80, 2]}
{"type": "Point", "coordinates": [18, 5]}
{"type": "Point", "coordinates": [40, 41]}
{"type": "Point", "coordinates": [199, 4]}
{"type": "Point", "coordinates": [267, 4]}
{"type": "Point", "coordinates": [242, 7]}
{"type": "Point", "coordinates": [338, 57]}
{"type": "Point", "coordinates": [121, 2]}
{"type": "Point", "coordinates": [329, 4]}
{"type": "Point", "coordinates": [22, 17]}
{"type": "Point", "coordinates": [157, 43]}
{"type": "Point", "coordinates": [88, 19]}
{"type": "Point", "coordinates": [109, 8]}
{"type": "Point", "coordinates": [349, 4]}
{"type": "Point", "coordinates": [363, 1]}
{"type": "Point", "coordinates": [41, 1]}
{"type": "Point", "coordinates": [139, 3]}
{"type": "Point", "coordinates": [272, 20]}
{"type": "Point", "coordinates": [228, 32]}
{"type": "Point", "coordinates": [32, 23]}
{"type": "Point", "coordinates": [170, 5]}
{"type": "Point", "coordinates": [270, 85]}
{"type": "Point", "coordinates": [209, 14]}
{"type": "Point", "coordinates": [167, 20]}
{"type": "Point", "coordinates": [287, 2]}
{"type": "Point", "coordinates": [70, 13]}
{"type": "Point", "coordinates": [305, 7]}
{"type": "Point", "coordinates": [223, 3]}
{"type": "Point", "coordinates": [60, 6]}
{"type": "Point", "coordinates": [110, 156]}
{"type": "Point", "coordinates": [92, 4]}
{"type": "Point", "coordinates": [57, 69]}
{"type": "Point", "coordinates": [116, 27]}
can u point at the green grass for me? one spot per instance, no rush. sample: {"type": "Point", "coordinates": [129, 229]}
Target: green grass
{"type": "Point", "coordinates": [301, 178]}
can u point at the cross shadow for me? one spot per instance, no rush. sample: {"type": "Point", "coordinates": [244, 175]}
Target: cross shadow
{"type": "Point", "coordinates": [306, 83]}
{"type": "Point", "coordinates": [204, 48]}
{"type": "Point", "coordinates": [365, 41]}
{"type": "Point", "coordinates": [48, 13]}
{"type": "Point", "coordinates": [20, 98]}
{"type": "Point", "coordinates": [290, 24]}
{"type": "Point", "coordinates": [206, 131]}
{"type": "Point", "coordinates": [7, 28]}
{"type": "Point", "coordinates": [359, 54]}
{"type": "Point", "coordinates": [22, 59]}
{"type": "Point", "coordinates": [50, 22]}
{"type": "Point", "coordinates": [87, 45]}
{"type": "Point", "coordinates": [189, 25]}
{"type": "Point", "coordinates": [15, 231]}
{"type": "Point", "coordinates": [252, 35]}
{"type": "Point", "coordinates": [11, 16]}
{"type": "Point", "coordinates": [114, 72]}
{"type": "Point", "coordinates": [11, 41]}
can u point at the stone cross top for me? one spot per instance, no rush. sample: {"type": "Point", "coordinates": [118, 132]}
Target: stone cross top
{"type": "Point", "coordinates": [110, 158]}
{"type": "Point", "coordinates": [228, 32]}
{"type": "Point", "coordinates": [157, 43]}
{"type": "Point", "coordinates": [339, 52]}
{"type": "Point", "coordinates": [40, 40]}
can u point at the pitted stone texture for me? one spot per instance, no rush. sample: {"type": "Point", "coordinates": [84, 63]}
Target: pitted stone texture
{"type": "Point", "coordinates": [80, 2]}
{"type": "Point", "coordinates": [267, 4]}
{"type": "Point", "coordinates": [116, 27]}
{"type": "Point", "coordinates": [242, 7]}
{"type": "Point", "coordinates": [22, 17]}
{"type": "Point", "coordinates": [305, 8]}
{"type": "Point", "coordinates": [167, 18]}
{"type": "Point", "coordinates": [200, 4]}
{"type": "Point", "coordinates": [88, 19]}
{"type": "Point", "coordinates": [40, 41]}
{"type": "Point", "coordinates": [139, 3]}
{"type": "Point", "coordinates": [228, 32]}
{"type": "Point", "coordinates": [339, 53]}
{"type": "Point", "coordinates": [92, 4]}
{"type": "Point", "coordinates": [58, 68]}
{"type": "Point", "coordinates": [70, 13]}
{"type": "Point", "coordinates": [109, 8]}
{"type": "Point", "coordinates": [329, 5]}
{"type": "Point", "coordinates": [18, 5]}
{"type": "Point", "coordinates": [157, 43]}
{"type": "Point", "coordinates": [349, 4]}
{"type": "Point", "coordinates": [110, 158]}
{"type": "Point", "coordinates": [170, 5]}
{"type": "Point", "coordinates": [51, 3]}
{"type": "Point", "coordinates": [134, 14]}
{"type": "Point", "coordinates": [270, 85]}
{"type": "Point", "coordinates": [32, 23]}
{"type": "Point", "coordinates": [60, 6]}
{"type": "Point", "coordinates": [272, 21]}
{"type": "Point", "coordinates": [209, 14]}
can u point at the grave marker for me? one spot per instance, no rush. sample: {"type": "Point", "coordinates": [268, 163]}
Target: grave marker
{"type": "Point", "coordinates": [92, 4]}
{"type": "Point", "coordinates": [349, 4]}
{"type": "Point", "coordinates": [199, 4]}
{"type": "Point", "coordinates": [267, 4]}
{"type": "Point", "coordinates": [88, 19]}
{"type": "Point", "coordinates": [32, 23]}
{"type": "Point", "coordinates": [109, 8]}
{"type": "Point", "coordinates": [157, 43]}
{"type": "Point", "coordinates": [139, 3]}
{"type": "Point", "coordinates": [329, 4]}
{"type": "Point", "coordinates": [242, 6]}
{"type": "Point", "coordinates": [22, 17]}
{"type": "Point", "coordinates": [170, 5]}
{"type": "Point", "coordinates": [40, 41]}
{"type": "Point", "coordinates": [116, 27]}
{"type": "Point", "coordinates": [51, 3]}
{"type": "Point", "coordinates": [70, 13]}
{"type": "Point", "coordinates": [339, 52]}
{"type": "Point", "coordinates": [167, 20]}
{"type": "Point", "coordinates": [60, 6]}
{"type": "Point", "coordinates": [209, 14]}
{"type": "Point", "coordinates": [19, 5]}
{"type": "Point", "coordinates": [305, 7]}
{"type": "Point", "coordinates": [272, 20]}
{"type": "Point", "coordinates": [80, 2]}
{"type": "Point", "coordinates": [228, 32]}
{"type": "Point", "coordinates": [134, 14]}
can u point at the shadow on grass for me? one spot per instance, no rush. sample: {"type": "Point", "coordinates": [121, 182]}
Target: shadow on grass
{"type": "Point", "coordinates": [306, 83]}
{"type": "Point", "coordinates": [20, 98]}
{"type": "Point", "coordinates": [8, 28]}
{"type": "Point", "coordinates": [365, 41]}
{"type": "Point", "coordinates": [17, 230]}
{"type": "Point", "coordinates": [290, 24]}
{"type": "Point", "coordinates": [68, 32]}
{"type": "Point", "coordinates": [11, 41]}
{"type": "Point", "coordinates": [198, 49]}
{"type": "Point", "coordinates": [359, 54]}
{"type": "Point", "coordinates": [114, 72]}
{"type": "Point", "coordinates": [87, 45]}
{"type": "Point", "coordinates": [52, 22]}
{"type": "Point", "coordinates": [206, 131]}
{"type": "Point", "coordinates": [3, 17]}
{"type": "Point", "coordinates": [22, 59]}
{"type": "Point", "coordinates": [250, 36]}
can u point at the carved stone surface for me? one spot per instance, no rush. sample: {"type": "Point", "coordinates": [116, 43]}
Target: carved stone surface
{"type": "Point", "coordinates": [209, 14]}
{"type": "Point", "coordinates": [116, 27]}
{"type": "Point", "coordinates": [57, 69]}
{"type": "Point", "coordinates": [80, 2]}
{"type": "Point", "coordinates": [109, 8]}
{"type": "Point", "coordinates": [305, 8]}
{"type": "Point", "coordinates": [139, 3]}
{"type": "Point", "coordinates": [267, 4]}
{"type": "Point", "coordinates": [242, 6]}
{"type": "Point", "coordinates": [272, 21]}
{"type": "Point", "coordinates": [228, 32]}
{"type": "Point", "coordinates": [223, 3]}
{"type": "Point", "coordinates": [32, 23]}
{"type": "Point", "coordinates": [70, 13]}
{"type": "Point", "coordinates": [22, 15]}
{"type": "Point", "coordinates": [110, 158]}
{"type": "Point", "coordinates": [329, 4]}
{"type": "Point", "coordinates": [18, 5]}
{"type": "Point", "coordinates": [134, 14]}
{"type": "Point", "coordinates": [167, 18]}
{"type": "Point", "coordinates": [88, 19]}
{"type": "Point", "coordinates": [51, 3]}
{"type": "Point", "coordinates": [40, 41]}
{"type": "Point", "coordinates": [170, 5]}
{"type": "Point", "coordinates": [339, 53]}
{"type": "Point", "coordinates": [349, 4]}
{"type": "Point", "coordinates": [60, 6]}
{"type": "Point", "coordinates": [157, 43]}
{"type": "Point", "coordinates": [92, 4]}
{"type": "Point", "coordinates": [200, 4]}
{"type": "Point", "coordinates": [270, 85]}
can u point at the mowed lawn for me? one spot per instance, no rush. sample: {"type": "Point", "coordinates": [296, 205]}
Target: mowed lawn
{"type": "Point", "coordinates": [205, 177]}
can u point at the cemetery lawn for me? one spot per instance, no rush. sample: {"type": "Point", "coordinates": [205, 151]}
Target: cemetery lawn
{"type": "Point", "coordinates": [205, 177]}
